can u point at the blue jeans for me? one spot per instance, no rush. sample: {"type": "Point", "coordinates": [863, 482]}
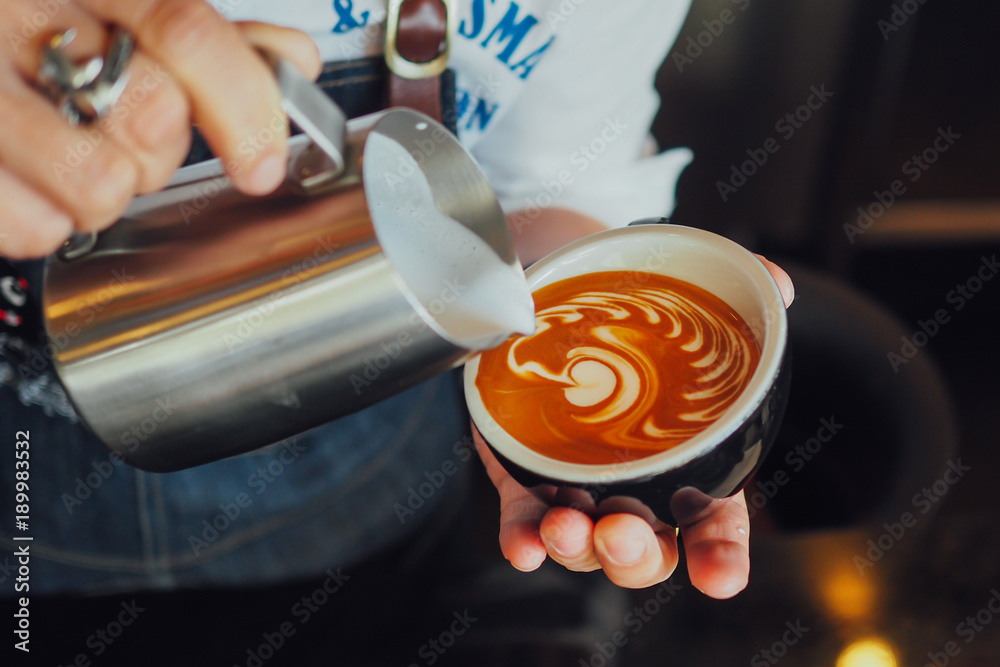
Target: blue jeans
{"type": "Point", "coordinates": [328, 498]}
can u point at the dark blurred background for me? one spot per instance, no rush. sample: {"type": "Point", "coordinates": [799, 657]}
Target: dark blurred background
{"type": "Point", "coordinates": [902, 75]}
{"type": "Point", "coordinates": [841, 574]}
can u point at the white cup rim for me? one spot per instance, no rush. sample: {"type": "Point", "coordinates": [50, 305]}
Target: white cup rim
{"type": "Point", "coordinates": [774, 333]}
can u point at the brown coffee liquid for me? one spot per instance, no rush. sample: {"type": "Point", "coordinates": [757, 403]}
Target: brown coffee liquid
{"type": "Point", "coordinates": [622, 365]}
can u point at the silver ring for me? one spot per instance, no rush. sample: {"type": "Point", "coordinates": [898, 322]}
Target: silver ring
{"type": "Point", "coordinates": [85, 92]}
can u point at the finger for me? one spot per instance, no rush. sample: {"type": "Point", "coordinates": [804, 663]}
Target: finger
{"type": "Point", "coordinates": [29, 225]}
{"type": "Point", "coordinates": [27, 33]}
{"type": "Point", "coordinates": [631, 553]}
{"type": "Point", "coordinates": [782, 279]}
{"type": "Point", "coordinates": [520, 542]}
{"type": "Point", "coordinates": [150, 122]}
{"type": "Point", "coordinates": [717, 545]}
{"type": "Point", "coordinates": [292, 45]}
{"type": "Point", "coordinates": [494, 470]}
{"type": "Point", "coordinates": [91, 179]}
{"type": "Point", "coordinates": [232, 92]}
{"type": "Point", "coordinates": [520, 514]}
{"type": "Point", "coordinates": [568, 536]}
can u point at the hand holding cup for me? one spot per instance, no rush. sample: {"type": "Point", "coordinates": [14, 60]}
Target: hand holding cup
{"type": "Point", "coordinates": [615, 516]}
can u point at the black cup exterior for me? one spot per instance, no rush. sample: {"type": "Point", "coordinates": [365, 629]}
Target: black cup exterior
{"type": "Point", "coordinates": [718, 473]}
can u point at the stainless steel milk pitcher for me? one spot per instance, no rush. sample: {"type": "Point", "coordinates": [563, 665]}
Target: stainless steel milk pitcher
{"type": "Point", "coordinates": [206, 323]}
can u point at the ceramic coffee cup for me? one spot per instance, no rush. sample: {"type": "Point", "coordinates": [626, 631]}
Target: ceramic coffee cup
{"type": "Point", "coordinates": [716, 462]}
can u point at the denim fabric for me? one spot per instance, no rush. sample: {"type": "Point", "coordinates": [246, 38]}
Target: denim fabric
{"type": "Point", "coordinates": [328, 498]}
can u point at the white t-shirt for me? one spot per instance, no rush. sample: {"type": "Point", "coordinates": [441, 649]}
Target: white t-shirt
{"type": "Point", "coordinates": [555, 97]}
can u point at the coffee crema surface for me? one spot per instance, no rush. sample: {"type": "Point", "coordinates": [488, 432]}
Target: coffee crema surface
{"type": "Point", "coordinates": [622, 365]}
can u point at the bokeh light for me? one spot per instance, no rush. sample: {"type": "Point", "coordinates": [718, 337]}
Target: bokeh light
{"type": "Point", "coordinates": [848, 596]}
{"type": "Point", "coordinates": [869, 652]}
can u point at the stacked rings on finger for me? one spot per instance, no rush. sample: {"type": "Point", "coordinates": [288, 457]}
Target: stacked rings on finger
{"type": "Point", "coordinates": [85, 92]}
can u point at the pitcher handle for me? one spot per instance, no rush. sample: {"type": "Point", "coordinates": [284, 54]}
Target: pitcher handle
{"type": "Point", "coordinates": [307, 106]}
{"type": "Point", "coordinates": [317, 116]}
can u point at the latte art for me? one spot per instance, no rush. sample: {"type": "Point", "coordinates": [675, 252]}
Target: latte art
{"type": "Point", "coordinates": [621, 366]}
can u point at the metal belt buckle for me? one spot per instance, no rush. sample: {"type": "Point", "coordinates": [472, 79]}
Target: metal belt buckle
{"type": "Point", "coordinates": [404, 67]}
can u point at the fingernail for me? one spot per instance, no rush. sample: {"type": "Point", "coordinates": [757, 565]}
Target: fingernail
{"type": "Point", "coordinates": [558, 548]}
{"type": "Point", "coordinates": [530, 566]}
{"type": "Point", "coordinates": [623, 550]}
{"type": "Point", "coordinates": [552, 542]}
{"type": "Point", "coordinates": [268, 175]}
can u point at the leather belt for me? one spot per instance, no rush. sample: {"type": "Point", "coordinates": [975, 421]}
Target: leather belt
{"type": "Point", "coordinates": [418, 42]}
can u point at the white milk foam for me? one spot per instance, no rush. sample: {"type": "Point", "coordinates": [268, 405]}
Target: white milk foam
{"type": "Point", "coordinates": [461, 283]}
